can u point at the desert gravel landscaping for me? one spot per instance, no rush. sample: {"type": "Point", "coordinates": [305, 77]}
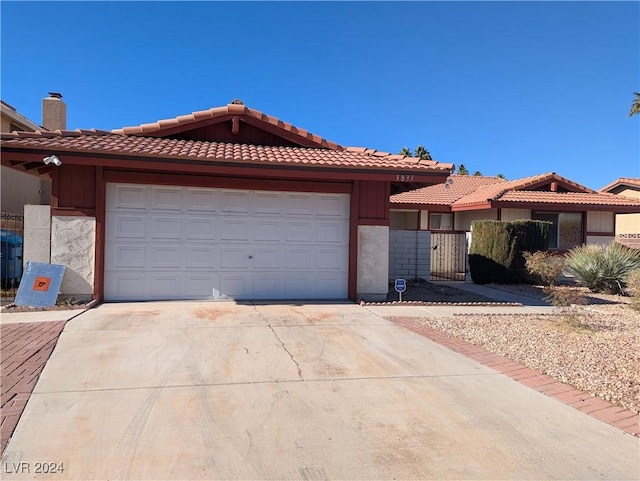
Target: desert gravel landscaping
{"type": "Point", "coordinates": [595, 347]}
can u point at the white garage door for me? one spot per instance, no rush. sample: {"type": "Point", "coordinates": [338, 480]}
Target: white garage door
{"type": "Point", "coordinates": [197, 243]}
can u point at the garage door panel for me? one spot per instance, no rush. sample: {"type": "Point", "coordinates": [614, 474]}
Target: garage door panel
{"type": "Point", "coordinates": [268, 204]}
{"type": "Point", "coordinates": [166, 242]}
{"type": "Point", "coordinates": [327, 258]}
{"type": "Point", "coordinates": [233, 229]}
{"type": "Point", "coordinates": [126, 285]}
{"type": "Point", "coordinates": [201, 200]}
{"type": "Point", "coordinates": [267, 230]}
{"type": "Point", "coordinates": [268, 285]}
{"type": "Point", "coordinates": [238, 257]}
{"type": "Point", "coordinates": [235, 284]}
{"type": "Point", "coordinates": [166, 198]}
{"type": "Point", "coordinates": [300, 231]}
{"type": "Point", "coordinates": [202, 286]}
{"type": "Point", "coordinates": [332, 232]}
{"type": "Point", "coordinates": [126, 197]}
{"type": "Point", "coordinates": [300, 204]}
{"type": "Point", "coordinates": [202, 257]}
{"type": "Point", "coordinates": [332, 206]}
{"type": "Point", "coordinates": [165, 256]}
{"type": "Point", "coordinates": [200, 228]}
{"type": "Point", "coordinates": [166, 285]}
{"type": "Point", "coordinates": [165, 227]}
{"type": "Point", "coordinates": [267, 257]}
{"type": "Point", "coordinates": [125, 256]}
{"type": "Point", "coordinates": [235, 201]}
{"type": "Point", "coordinates": [126, 226]}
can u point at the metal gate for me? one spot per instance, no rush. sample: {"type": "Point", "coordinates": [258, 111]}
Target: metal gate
{"type": "Point", "coordinates": [448, 256]}
{"type": "Point", "coordinates": [11, 245]}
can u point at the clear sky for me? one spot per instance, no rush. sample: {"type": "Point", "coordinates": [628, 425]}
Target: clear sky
{"type": "Point", "coordinates": [518, 88]}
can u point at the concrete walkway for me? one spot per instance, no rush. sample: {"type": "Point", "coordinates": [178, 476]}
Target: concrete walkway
{"type": "Point", "coordinates": [191, 390]}
{"type": "Point", "coordinates": [27, 340]}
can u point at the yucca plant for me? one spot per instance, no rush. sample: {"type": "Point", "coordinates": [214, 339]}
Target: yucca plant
{"type": "Point", "coordinates": [603, 269]}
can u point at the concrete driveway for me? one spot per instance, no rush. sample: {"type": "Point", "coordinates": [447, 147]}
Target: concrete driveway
{"type": "Point", "coordinates": [195, 390]}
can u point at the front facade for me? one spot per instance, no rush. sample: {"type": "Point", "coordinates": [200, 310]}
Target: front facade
{"type": "Point", "coordinates": [579, 215]}
{"type": "Point", "coordinates": [223, 203]}
{"type": "Point", "coordinates": [627, 225]}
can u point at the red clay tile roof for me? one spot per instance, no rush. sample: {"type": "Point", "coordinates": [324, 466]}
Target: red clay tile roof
{"type": "Point", "coordinates": [467, 191]}
{"type": "Point", "coordinates": [456, 187]}
{"type": "Point", "coordinates": [622, 181]}
{"type": "Point", "coordinates": [573, 198]}
{"type": "Point", "coordinates": [234, 108]}
{"type": "Point", "coordinates": [101, 142]}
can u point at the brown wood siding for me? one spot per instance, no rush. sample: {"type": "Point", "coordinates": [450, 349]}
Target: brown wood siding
{"type": "Point", "coordinates": [374, 203]}
{"type": "Point", "coordinates": [221, 132]}
{"type": "Point", "coordinates": [75, 187]}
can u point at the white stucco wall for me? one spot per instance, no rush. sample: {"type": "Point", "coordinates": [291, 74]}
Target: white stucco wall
{"type": "Point", "coordinates": [37, 234]}
{"type": "Point", "coordinates": [515, 214]}
{"type": "Point", "coordinates": [73, 242]}
{"type": "Point", "coordinates": [373, 262]}
{"type": "Point", "coordinates": [599, 240]}
{"type": "Point", "coordinates": [463, 219]}
{"type": "Point", "coordinates": [600, 222]}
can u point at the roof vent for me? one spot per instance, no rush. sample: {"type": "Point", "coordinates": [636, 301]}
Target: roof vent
{"type": "Point", "coordinates": [55, 95]}
{"type": "Point", "coordinates": [237, 102]}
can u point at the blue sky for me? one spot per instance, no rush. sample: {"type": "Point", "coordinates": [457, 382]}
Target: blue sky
{"type": "Point", "coordinates": [518, 88]}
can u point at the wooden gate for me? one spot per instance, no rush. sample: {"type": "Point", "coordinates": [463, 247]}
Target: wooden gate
{"type": "Point", "coordinates": [448, 256]}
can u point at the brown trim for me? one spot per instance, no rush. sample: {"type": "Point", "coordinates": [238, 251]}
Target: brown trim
{"type": "Point", "coordinates": [478, 206]}
{"type": "Point", "coordinates": [541, 207]}
{"type": "Point", "coordinates": [380, 222]}
{"type": "Point", "coordinates": [247, 169]}
{"type": "Point", "coordinates": [285, 134]}
{"type": "Point", "coordinates": [189, 125]}
{"type": "Point", "coordinates": [98, 281]}
{"type": "Point", "coordinates": [353, 241]}
{"type": "Point", "coordinates": [584, 227]}
{"type": "Point", "coordinates": [499, 213]}
{"type": "Point", "coordinates": [211, 181]}
{"type": "Point", "coordinates": [72, 212]}
{"type": "Point", "coordinates": [443, 209]}
{"type": "Point", "coordinates": [55, 188]}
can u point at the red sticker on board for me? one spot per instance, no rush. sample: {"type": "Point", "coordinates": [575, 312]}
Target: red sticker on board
{"type": "Point", "coordinates": [41, 284]}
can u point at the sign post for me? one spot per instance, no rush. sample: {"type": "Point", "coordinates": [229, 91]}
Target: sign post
{"type": "Point", "coordinates": [400, 286]}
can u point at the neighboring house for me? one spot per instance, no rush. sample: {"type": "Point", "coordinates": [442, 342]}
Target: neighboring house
{"type": "Point", "coordinates": [579, 215]}
{"type": "Point", "coordinates": [20, 188]}
{"type": "Point", "coordinates": [627, 225]}
{"type": "Point", "coordinates": [226, 202]}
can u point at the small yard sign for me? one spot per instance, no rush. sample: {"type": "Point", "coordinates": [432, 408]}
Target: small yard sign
{"type": "Point", "coordinates": [400, 286]}
{"type": "Point", "coordinates": [40, 285]}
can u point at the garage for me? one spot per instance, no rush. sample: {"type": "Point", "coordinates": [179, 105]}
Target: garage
{"type": "Point", "coordinates": [173, 242]}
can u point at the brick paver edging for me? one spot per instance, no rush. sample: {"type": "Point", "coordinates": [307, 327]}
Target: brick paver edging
{"type": "Point", "coordinates": [24, 350]}
{"type": "Point", "coordinates": [617, 416]}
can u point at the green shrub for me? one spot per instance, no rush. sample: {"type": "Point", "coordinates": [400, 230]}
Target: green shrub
{"type": "Point", "coordinates": [544, 266]}
{"type": "Point", "coordinates": [603, 269]}
{"type": "Point", "coordinates": [495, 254]}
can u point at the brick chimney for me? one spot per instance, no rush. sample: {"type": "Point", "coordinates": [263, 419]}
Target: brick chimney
{"type": "Point", "coordinates": [54, 112]}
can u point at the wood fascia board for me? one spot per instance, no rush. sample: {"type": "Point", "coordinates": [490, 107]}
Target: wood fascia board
{"type": "Point", "coordinates": [476, 206]}
{"type": "Point", "coordinates": [165, 132]}
{"type": "Point", "coordinates": [439, 208]}
{"type": "Point", "coordinates": [542, 207]}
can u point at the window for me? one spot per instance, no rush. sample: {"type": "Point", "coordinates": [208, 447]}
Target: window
{"type": "Point", "coordinates": [441, 221]}
{"type": "Point", "coordinates": [566, 229]}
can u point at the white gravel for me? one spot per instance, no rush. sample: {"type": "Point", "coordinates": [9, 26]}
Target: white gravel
{"type": "Point", "coordinates": [594, 348]}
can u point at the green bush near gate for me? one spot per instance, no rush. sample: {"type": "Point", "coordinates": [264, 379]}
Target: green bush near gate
{"type": "Point", "coordinates": [496, 251]}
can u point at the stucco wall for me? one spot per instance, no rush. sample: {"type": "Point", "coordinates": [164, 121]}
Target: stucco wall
{"type": "Point", "coordinates": [409, 254]}
{"type": "Point", "coordinates": [627, 224]}
{"type": "Point", "coordinates": [463, 219]}
{"type": "Point", "coordinates": [73, 242]}
{"type": "Point", "coordinates": [373, 262]}
{"type": "Point", "coordinates": [515, 214]}
{"type": "Point", "coordinates": [37, 234]}
{"type": "Point", "coordinates": [599, 240]}
{"type": "Point", "coordinates": [19, 189]}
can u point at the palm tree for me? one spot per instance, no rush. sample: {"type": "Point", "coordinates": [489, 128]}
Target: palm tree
{"type": "Point", "coordinates": [635, 105]}
{"type": "Point", "coordinates": [477, 173]}
{"type": "Point", "coordinates": [501, 176]}
{"type": "Point", "coordinates": [462, 170]}
{"type": "Point", "coordinates": [420, 152]}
